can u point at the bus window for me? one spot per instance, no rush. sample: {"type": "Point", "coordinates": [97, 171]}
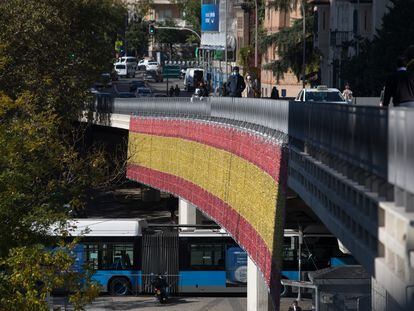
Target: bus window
{"type": "Point", "coordinates": [206, 256]}
{"type": "Point", "coordinates": [117, 256]}
{"type": "Point", "coordinates": [91, 256]}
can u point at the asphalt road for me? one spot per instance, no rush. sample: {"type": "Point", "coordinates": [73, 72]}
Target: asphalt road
{"type": "Point", "coordinates": [159, 87]}
{"type": "Point", "coordinates": [138, 303]}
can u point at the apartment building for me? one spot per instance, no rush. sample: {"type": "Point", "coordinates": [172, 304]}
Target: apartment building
{"type": "Point", "coordinates": [274, 21]}
{"type": "Point", "coordinates": [340, 27]}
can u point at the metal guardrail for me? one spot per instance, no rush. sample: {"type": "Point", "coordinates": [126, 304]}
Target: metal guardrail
{"type": "Point", "coordinates": [401, 155]}
{"type": "Point", "coordinates": [355, 134]}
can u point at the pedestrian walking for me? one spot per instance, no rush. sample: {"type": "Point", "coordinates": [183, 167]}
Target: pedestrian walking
{"type": "Point", "coordinates": [347, 93]}
{"type": "Point", "coordinates": [177, 90]}
{"type": "Point", "coordinates": [295, 306]}
{"type": "Point", "coordinates": [224, 89]}
{"type": "Point", "coordinates": [235, 84]}
{"type": "Point", "coordinates": [275, 93]}
{"type": "Point", "coordinates": [171, 92]}
{"type": "Point", "coordinates": [400, 86]}
{"type": "Point", "coordinates": [249, 91]}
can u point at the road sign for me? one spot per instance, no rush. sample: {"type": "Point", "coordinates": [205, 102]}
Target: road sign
{"type": "Point", "coordinates": [171, 71]}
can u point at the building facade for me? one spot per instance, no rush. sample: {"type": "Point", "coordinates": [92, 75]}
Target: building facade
{"type": "Point", "coordinates": [341, 25]}
{"type": "Point", "coordinates": [274, 21]}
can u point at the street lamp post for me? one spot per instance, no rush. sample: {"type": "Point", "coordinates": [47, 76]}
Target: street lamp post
{"type": "Point", "coordinates": [304, 45]}
{"type": "Point", "coordinates": [225, 38]}
{"type": "Point", "coordinates": [255, 37]}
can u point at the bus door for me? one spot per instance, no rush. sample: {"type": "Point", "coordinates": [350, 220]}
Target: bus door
{"type": "Point", "coordinates": [160, 256]}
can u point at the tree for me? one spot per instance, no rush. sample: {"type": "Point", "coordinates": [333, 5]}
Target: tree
{"type": "Point", "coordinates": [377, 59]}
{"type": "Point", "coordinates": [169, 37]}
{"type": "Point", "coordinates": [56, 49]}
{"type": "Point", "coordinates": [136, 34]}
{"type": "Point", "coordinates": [50, 53]}
{"type": "Point", "coordinates": [289, 43]}
{"type": "Point", "coordinates": [192, 14]}
{"type": "Point", "coordinates": [137, 37]}
{"type": "Point", "coordinates": [33, 273]}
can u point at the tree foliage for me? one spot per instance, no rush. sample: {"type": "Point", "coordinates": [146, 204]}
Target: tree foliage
{"type": "Point", "coordinates": [285, 5]}
{"type": "Point", "coordinates": [56, 49]}
{"type": "Point", "coordinates": [136, 34]}
{"type": "Point", "coordinates": [137, 37]}
{"type": "Point", "coordinates": [192, 14]}
{"type": "Point", "coordinates": [289, 45]}
{"type": "Point", "coordinates": [50, 53]}
{"type": "Point", "coordinates": [31, 274]}
{"type": "Point", "coordinates": [367, 71]}
{"type": "Point", "coordinates": [168, 37]}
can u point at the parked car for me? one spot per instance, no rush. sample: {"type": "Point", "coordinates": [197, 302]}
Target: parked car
{"type": "Point", "coordinates": [136, 84]}
{"type": "Point", "coordinates": [143, 92]}
{"type": "Point", "coordinates": [321, 94]}
{"type": "Point", "coordinates": [153, 65]}
{"type": "Point", "coordinates": [153, 75]}
{"type": "Point", "coordinates": [125, 95]}
{"type": "Point", "coordinates": [142, 64]}
{"type": "Point", "coordinates": [122, 90]}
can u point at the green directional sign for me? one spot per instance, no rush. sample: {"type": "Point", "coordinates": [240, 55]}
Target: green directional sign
{"type": "Point", "coordinates": [171, 71]}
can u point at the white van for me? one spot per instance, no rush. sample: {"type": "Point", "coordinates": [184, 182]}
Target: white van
{"type": "Point", "coordinates": [129, 60]}
{"type": "Point", "coordinates": [193, 76]}
{"type": "Point", "coordinates": [126, 66]}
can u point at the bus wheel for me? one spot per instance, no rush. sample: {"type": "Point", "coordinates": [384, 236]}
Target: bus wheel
{"type": "Point", "coordinates": [119, 286]}
{"type": "Point", "coordinates": [285, 290]}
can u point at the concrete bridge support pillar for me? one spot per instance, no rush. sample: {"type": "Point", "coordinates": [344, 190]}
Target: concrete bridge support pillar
{"type": "Point", "coordinates": [258, 298]}
{"type": "Point", "coordinates": [381, 300]}
{"type": "Point", "coordinates": [188, 214]}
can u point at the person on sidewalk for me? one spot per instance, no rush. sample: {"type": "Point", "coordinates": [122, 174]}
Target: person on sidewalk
{"type": "Point", "coordinates": [347, 93]}
{"type": "Point", "coordinates": [295, 306]}
{"type": "Point", "coordinates": [171, 92]}
{"type": "Point", "coordinates": [235, 84]}
{"type": "Point", "coordinates": [249, 90]}
{"type": "Point", "coordinates": [275, 93]}
{"type": "Point", "coordinates": [177, 91]}
{"type": "Point", "coordinates": [400, 86]}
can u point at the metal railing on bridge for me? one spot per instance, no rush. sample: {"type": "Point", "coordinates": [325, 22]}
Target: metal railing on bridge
{"type": "Point", "coordinates": [355, 134]}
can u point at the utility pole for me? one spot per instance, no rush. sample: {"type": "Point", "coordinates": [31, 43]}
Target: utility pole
{"type": "Point", "coordinates": [225, 38]}
{"type": "Point", "coordinates": [255, 37]}
{"type": "Point", "coordinates": [357, 32]}
{"type": "Point", "coordinates": [304, 45]}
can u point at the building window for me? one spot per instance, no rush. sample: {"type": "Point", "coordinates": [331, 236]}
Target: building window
{"type": "Point", "coordinates": [365, 20]}
{"type": "Point", "coordinates": [324, 20]}
{"type": "Point", "coordinates": [355, 21]}
{"type": "Point", "coordinates": [165, 14]}
{"type": "Point", "coordinates": [239, 22]}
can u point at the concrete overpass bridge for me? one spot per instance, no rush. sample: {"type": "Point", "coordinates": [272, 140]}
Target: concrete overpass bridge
{"type": "Point", "coordinates": [233, 159]}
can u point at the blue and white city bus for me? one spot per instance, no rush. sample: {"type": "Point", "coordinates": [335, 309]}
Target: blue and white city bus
{"type": "Point", "coordinates": [123, 256]}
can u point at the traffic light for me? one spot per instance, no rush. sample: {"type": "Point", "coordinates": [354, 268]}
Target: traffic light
{"type": "Point", "coordinates": [151, 29]}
